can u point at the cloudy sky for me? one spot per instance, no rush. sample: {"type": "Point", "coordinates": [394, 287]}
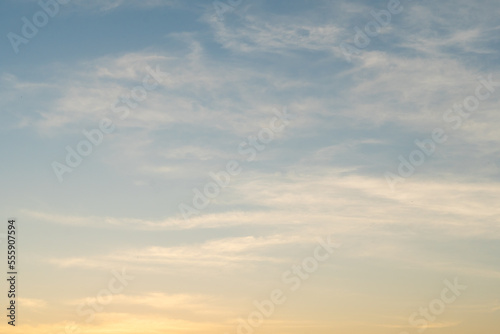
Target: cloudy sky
{"type": "Point", "coordinates": [172, 163]}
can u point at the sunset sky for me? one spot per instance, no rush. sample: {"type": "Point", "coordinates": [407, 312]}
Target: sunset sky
{"type": "Point", "coordinates": [172, 164]}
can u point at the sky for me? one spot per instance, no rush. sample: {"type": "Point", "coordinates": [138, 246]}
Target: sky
{"type": "Point", "coordinates": [238, 166]}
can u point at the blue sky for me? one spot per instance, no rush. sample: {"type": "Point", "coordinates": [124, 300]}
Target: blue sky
{"type": "Point", "coordinates": [223, 78]}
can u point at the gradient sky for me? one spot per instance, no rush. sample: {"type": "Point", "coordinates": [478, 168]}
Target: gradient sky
{"type": "Point", "coordinates": [223, 78]}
